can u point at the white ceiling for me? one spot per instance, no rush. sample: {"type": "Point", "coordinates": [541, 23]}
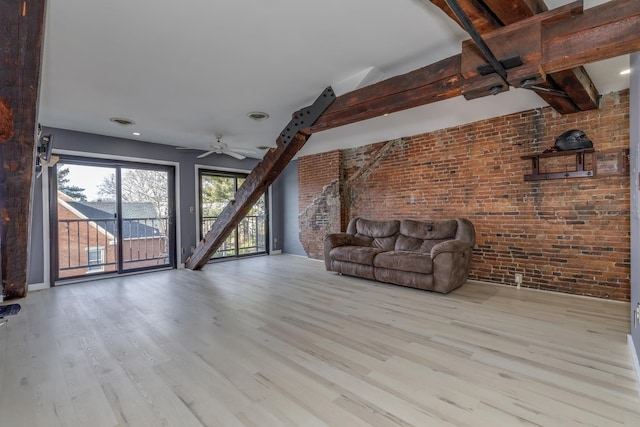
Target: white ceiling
{"type": "Point", "coordinates": [187, 70]}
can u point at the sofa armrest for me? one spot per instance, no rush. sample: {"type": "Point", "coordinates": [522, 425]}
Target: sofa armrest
{"type": "Point", "coordinates": [333, 240]}
{"type": "Point", "coordinates": [451, 264]}
{"type": "Point", "coordinates": [449, 246]}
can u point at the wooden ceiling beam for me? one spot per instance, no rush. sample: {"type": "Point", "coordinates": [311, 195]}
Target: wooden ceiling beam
{"type": "Point", "coordinates": [579, 87]}
{"type": "Point", "coordinates": [510, 12]}
{"type": "Point", "coordinates": [481, 17]}
{"type": "Point", "coordinates": [605, 31]}
{"type": "Point", "coordinates": [581, 92]}
{"type": "Point", "coordinates": [426, 85]}
{"type": "Point", "coordinates": [612, 29]}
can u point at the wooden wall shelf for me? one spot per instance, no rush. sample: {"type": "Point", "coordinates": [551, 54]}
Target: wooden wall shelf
{"type": "Point", "coordinates": [604, 163]}
{"type": "Point", "coordinates": [579, 172]}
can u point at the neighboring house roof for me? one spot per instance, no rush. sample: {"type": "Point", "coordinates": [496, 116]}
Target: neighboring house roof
{"type": "Point", "coordinates": [137, 219]}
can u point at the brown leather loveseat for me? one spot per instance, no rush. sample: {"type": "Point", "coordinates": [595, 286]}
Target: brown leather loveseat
{"type": "Point", "coordinates": [430, 255]}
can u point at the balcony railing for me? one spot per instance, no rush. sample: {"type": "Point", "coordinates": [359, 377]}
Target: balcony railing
{"type": "Point", "coordinates": [88, 246]}
{"type": "Point", "coordinates": [251, 236]}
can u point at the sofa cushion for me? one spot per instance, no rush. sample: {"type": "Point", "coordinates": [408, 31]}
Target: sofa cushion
{"type": "Point", "coordinates": [379, 234]}
{"type": "Point", "coordinates": [406, 243]}
{"type": "Point", "coordinates": [429, 230]}
{"type": "Point", "coordinates": [355, 254]}
{"type": "Point", "coordinates": [416, 262]}
{"type": "Point", "coordinates": [377, 228]}
{"type": "Point", "coordinates": [405, 278]}
{"type": "Point", "coordinates": [360, 270]}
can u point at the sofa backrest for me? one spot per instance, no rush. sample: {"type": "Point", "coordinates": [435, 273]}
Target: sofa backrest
{"type": "Point", "coordinates": [410, 235]}
{"type": "Point", "coordinates": [379, 234]}
{"type": "Point", "coordinates": [421, 236]}
{"type": "Point", "coordinates": [466, 231]}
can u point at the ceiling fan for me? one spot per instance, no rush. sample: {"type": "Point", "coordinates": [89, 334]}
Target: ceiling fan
{"type": "Point", "coordinates": [219, 147]}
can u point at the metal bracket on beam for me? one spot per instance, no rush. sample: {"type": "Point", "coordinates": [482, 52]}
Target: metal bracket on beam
{"type": "Point", "coordinates": [307, 116]}
{"type": "Point", "coordinates": [509, 63]}
{"type": "Point", "coordinates": [477, 38]}
{"type": "Point", "coordinates": [530, 84]}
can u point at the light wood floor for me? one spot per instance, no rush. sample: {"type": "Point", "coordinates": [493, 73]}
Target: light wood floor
{"type": "Point", "coordinates": [277, 341]}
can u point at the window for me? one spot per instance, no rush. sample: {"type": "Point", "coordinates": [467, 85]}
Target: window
{"type": "Point", "coordinates": [95, 259]}
{"type": "Point", "coordinates": [217, 189]}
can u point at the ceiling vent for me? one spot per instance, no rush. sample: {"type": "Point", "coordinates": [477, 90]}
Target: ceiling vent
{"type": "Point", "coordinates": [258, 116]}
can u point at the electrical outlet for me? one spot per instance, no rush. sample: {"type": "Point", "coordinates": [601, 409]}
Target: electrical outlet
{"type": "Point", "coordinates": [518, 279]}
{"type": "Point", "coordinates": [636, 318]}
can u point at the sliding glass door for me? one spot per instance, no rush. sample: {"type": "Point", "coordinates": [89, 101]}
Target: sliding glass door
{"type": "Point", "coordinates": [250, 236]}
{"type": "Point", "coordinates": [110, 217]}
{"type": "Point", "coordinates": [145, 218]}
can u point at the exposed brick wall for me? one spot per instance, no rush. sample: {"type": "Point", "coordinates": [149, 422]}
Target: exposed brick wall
{"type": "Point", "coordinates": [314, 172]}
{"type": "Point", "coordinates": [569, 235]}
{"type": "Point", "coordinates": [319, 199]}
{"type": "Point", "coordinates": [319, 218]}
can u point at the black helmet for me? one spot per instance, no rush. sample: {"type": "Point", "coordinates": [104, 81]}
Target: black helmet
{"type": "Point", "coordinates": [573, 140]}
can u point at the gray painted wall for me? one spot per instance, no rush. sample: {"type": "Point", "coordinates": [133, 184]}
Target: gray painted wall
{"type": "Point", "coordinates": [286, 186]}
{"type": "Point", "coordinates": [36, 254]}
{"type": "Point", "coordinates": [104, 145]}
{"type": "Point", "coordinates": [634, 151]}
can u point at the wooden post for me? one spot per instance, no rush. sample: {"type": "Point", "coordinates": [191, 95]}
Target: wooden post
{"type": "Point", "coordinates": [21, 33]}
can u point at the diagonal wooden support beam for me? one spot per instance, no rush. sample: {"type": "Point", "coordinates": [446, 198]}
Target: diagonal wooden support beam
{"type": "Point", "coordinates": [20, 55]}
{"type": "Point", "coordinates": [291, 140]}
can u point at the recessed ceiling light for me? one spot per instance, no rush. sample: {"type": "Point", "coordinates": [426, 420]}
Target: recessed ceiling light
{"type": "Point", "coordinates": [136, 133]}
{"type": "Point", "coordinates": [385, 115]}
{"type": "Point", "coordinates": [122, 121]}
{"type": "Point", "coordinates": [258, 116]}
{"type": "Point", "coordinates": [263, 147]}
{"type": "Point", "coordinates": [627, 71]}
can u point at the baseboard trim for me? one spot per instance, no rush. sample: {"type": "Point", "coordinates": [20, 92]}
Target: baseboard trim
{"type": "Point", "coordinates": [527, 289]}
{"type": "Point", "coordinates": [37, 287]}
{"type": "Point", "coordinates": [634, 360]}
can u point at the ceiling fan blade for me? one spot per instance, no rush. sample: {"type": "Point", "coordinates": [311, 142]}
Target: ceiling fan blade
{"type": "Point", "coordinates": [234, 155]}
{"type": "Point", "coordinates": [243, 150]}
{"type": "Point", "coordinates": [255, 155]}
{"type": "Point", "coordinates": [247, 152]}
{"type": "Point", "coordinates": [205, 154]}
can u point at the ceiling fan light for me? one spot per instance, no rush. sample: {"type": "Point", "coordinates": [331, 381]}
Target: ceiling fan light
{"type": "Point", "coordinates": [258, 116]}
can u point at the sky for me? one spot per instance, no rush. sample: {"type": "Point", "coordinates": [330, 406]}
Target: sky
{"type": "Point", "coordinates": [88, 177]}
